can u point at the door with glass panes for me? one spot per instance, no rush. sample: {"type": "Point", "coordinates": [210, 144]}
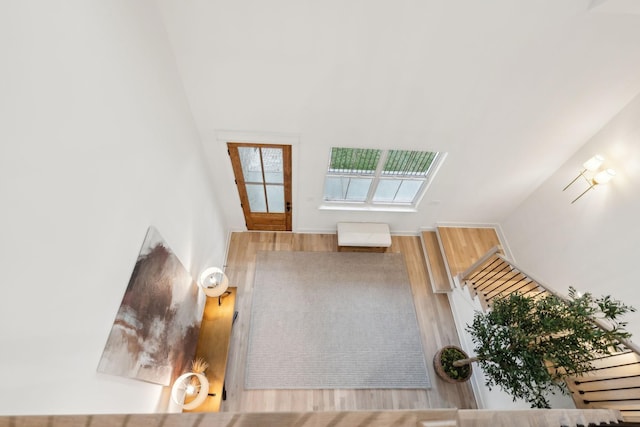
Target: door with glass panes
{"type": "Point", "coordinates": [263, 178]}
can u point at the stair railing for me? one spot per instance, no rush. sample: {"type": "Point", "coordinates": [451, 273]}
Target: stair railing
{"type": "Point", "coordinates": [615, 381]}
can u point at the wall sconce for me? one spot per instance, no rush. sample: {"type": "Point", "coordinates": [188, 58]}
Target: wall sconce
{"type": "Point", "coordinates": [591, 175]}
{"type": "Point", "coordinates": [214, 283]}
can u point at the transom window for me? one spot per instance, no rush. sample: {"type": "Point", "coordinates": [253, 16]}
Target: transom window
{"type": "Point", "coordinates": [378, 177]}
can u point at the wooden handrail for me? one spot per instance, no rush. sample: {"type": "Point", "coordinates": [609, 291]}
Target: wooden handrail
{"type": "Point", "coordinates": [487, 280]}
{"type": "Point", "coordinates": [484, 258]}
{"type": "Point", "coordinates": [371, 418]}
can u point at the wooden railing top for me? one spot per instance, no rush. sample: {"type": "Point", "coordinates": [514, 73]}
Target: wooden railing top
{"type": "Point", "coordinates": [408, 418]}
{"type": "Point", "coordinates": [487, 256]}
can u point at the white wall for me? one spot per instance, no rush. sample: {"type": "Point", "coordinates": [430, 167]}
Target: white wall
{"type": "Point", "coordinates": [96, 144]}
{"type": "Point", "coordinates": [593, 243]}
{"type": "Point", "coordinates": [491, 85]}
{"type": "Point", "coordinates": [309, 163]}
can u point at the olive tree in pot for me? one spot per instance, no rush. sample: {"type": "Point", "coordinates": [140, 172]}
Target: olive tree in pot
{"type": "Point", "coordinates": [528, 346]}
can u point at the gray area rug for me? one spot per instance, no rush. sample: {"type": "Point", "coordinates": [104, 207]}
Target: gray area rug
{"type": "Point", "coordinates": [333, 320]}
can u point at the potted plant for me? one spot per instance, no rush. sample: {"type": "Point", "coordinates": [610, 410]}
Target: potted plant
{"type": "Point", "coordinates": [443, 363]}
{"type": "Point", "coordinates": [528, 345]}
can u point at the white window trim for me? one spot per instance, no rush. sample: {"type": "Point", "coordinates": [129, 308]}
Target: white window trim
{"type": "Point", "coordinates": [369, 205]}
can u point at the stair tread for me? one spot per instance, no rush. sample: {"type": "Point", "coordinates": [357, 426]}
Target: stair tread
{"type": "Point", "coordinates": [440, 282]}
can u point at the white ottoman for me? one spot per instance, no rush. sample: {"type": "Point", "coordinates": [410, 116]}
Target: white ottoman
{"type": "Point", "coordinates": [362, 235]}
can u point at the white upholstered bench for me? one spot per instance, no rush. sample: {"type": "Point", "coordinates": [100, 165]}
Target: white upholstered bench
{"type": "Point", "coordinates": [363, 236]}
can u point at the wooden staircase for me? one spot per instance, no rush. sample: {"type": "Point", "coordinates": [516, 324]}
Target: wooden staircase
{"type": "Point", "coordinates": [438, 272]}
{"type": "Point", "coordinates": [615, 381]}
{"type": "Point", "coordinates": [451, 250]}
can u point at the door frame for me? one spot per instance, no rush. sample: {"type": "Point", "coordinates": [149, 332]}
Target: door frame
{"type": "Point", "coordinates": [264, 221]}
{"type": "Point", "coordinates": [221, 137]}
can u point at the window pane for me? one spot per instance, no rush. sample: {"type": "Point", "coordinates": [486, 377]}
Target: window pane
{"type": "Point", "coordinates": [358, 189]}
{"type": "Point", "coordinates": [257, 202]}
{"type": "Point", "coordinates": [408, 163]}
{"type": "Point", "coordinates": [251, 165]}
{"type": "Point", "coordinates": [354, 172]}
{"type": "Point", "coordinates": [335, 188]}
{"type": "Point", "coordinates": [408, 191]}
{"type": "Point", "coordinates": [275, 196]}
{"type": "Point", "coordinates": [272, 161]}
{"type": "Point", "coordinates": [386, 190]}
{"type": "Point", "coordinates": [354, 160]}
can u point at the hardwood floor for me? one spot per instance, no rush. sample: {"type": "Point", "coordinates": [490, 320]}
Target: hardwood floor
{"type": "Point", "coordinates": [465, 245]}
{"type": "Point", "coordinates": [434, 317]}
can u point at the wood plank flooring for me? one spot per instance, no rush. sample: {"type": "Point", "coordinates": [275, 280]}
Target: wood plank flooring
{"type": "Point", "coordinates": [465, 245]}
{"type": "Point", "coordinates": [434, 318]}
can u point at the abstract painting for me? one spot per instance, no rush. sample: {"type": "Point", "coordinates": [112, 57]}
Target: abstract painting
{"type": "Point", "coordinates": [155, 333]}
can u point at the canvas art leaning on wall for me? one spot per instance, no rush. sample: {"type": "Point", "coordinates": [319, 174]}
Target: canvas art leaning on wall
{"type": "Point", "coordinates": [155, 333]}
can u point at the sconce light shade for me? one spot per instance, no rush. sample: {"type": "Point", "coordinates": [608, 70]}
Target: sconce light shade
{"type": "Point", "coordinates": [604, 176]}
{"type": "Point", "coordinates": [593, 177]}
{"type": "Point", "coordinates": [190, 384]}
{"type": "Point", "coordinates": [213, 282]}
{"type": "Point", "coordinates": [593, 163]}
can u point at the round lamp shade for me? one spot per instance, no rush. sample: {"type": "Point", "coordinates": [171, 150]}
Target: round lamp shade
{"type": "Point", "coordinates": [190, 384]}
{"type": "Point", "coordinates": [213, 282]}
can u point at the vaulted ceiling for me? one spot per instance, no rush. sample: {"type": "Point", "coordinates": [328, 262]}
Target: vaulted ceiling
{"type": "Point", "coordinates": [510, 89]}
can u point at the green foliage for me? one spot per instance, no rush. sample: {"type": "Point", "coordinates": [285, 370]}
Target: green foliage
{"type": "Point", "coordinates": [354, 159]}
{"type": "Point", "coordinates": [365, 160]}
{"type": "Point", "coordinates": [521, 336]}
{"type": "Point", "coordinates": [409, 162]}
{"type": "Point", "coordinates": [450, 355]}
